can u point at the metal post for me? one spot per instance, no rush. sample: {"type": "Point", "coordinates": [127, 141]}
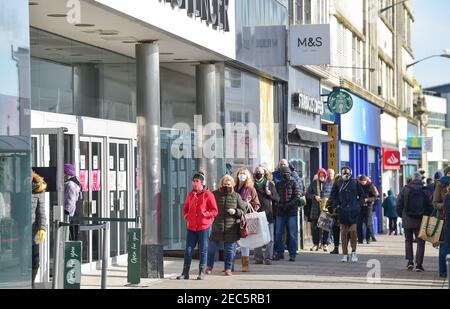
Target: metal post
{"type": "Point", "coordinates": [105, 255]}
{"type": "Point", "coordinates": [207, 98]}
{"type": "Point", "coordinates": [56, 257]}
{"type": "Point", "coordinates": [149, 157]}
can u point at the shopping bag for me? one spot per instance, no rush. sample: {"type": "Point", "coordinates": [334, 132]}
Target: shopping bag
{"type": "Point", "coordinates": [431, 228]}
{"type": "Point", "coordinates": [258, 230]}
{"type": "Point", "coordinates": [325, 221]}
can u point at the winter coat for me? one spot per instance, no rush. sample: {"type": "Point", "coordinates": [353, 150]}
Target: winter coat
{"type": "Point", "coordinates": [38, 217]}
{"type": "Point", "coordinates": [389, 205]}
{"type": "Point", "coordinates": [347, 198]}
{"type": "Point", "coordinates": [277, 177]}
{"type": "Point", "coordinates": [249, 193]}
{"type": "Point", "coordinates": [290, 195]}
{"type": "Point", "coordinates": [314, 210]}
{"type": "Point", "coordinates": [225, 226]}
{"type": "Point", "coordinates": [71, 196]}
{"type": "Point", "coordinates": [200, 209]}
{"type": "Point", "coordinates": [371, 194]}
{"type": "Point", "coordinates": [409, 222]}
{"type": "Point", "coordinates": [439, 194]}
{"type": "Point", "coordinates": [267, 201]}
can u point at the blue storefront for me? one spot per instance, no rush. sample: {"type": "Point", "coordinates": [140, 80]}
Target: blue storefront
{"type": "Point", "coordinates": [359, 143]}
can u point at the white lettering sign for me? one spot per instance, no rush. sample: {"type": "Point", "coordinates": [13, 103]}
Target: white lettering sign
{"type": "Point", "coordinates": [310, 45]}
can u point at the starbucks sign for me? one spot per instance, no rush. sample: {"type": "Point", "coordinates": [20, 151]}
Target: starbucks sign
{"type": "Point", "coordinates": [340, 102]}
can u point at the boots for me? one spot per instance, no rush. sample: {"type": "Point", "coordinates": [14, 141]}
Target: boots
{"type": "Point", "coordinates": [201, 272]}
{"type": "Point", "coordinates": [245, 264]}
{"type": "Point", "coordinates": [185, 274]}
{"type": "Point", "coordinates": [335, 251]}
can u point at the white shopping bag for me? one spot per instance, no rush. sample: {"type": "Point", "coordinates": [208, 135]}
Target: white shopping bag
{"type": "Point", "coordinates": [259, 233]}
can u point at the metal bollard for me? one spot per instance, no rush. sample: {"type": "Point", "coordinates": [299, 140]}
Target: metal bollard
{"type": "Point", "coordinates": [105, 255]}
{"type": "Point", "coordinates": [448, 270]}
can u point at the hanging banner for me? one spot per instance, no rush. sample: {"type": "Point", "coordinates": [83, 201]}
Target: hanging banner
{"type": "Point", "coordinates": [391, 159]}
{"type": "Point", "coordinates": [333, 147]}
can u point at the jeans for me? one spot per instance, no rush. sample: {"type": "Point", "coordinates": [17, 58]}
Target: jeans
{"type": "Point", "coordinates": [317, 233]}
{"type": "Point", "coordinates": [268, 254]}
{"type": "Point", "coordinates": [291, 224]}
{"type": "Point", "coordinates": [200, 237]}
{"type": "Point", "coordinates": [228, 248]}
{"type": "Point", "coordinates": [365, 218]}
{"type": "Point", "coordinates": [420, 251]}
{"type": "Point", "coordinates": [443, 252]}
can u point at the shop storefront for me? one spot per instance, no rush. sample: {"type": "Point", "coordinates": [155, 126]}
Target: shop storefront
{"type": "Point", "coordinates": [390, 175]}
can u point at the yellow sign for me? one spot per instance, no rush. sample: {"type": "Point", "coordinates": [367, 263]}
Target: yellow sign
{"type": "Point", "coordinates": [333, 147]}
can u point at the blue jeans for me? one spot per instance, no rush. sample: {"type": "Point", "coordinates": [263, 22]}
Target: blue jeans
{"type": "Point", "coordinates": [228, 250]}
{"type": "Point", "coordinates": [443, 252]}
{"type": "Point", "coordinates": [291, 224]}
{"type": "Point", "coordinates": [200, 237]}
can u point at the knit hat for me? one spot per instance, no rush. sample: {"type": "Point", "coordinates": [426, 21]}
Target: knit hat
{"type": "Point", "coordinates": [438, 175]}
{"type": "Point", "coordinates": [200, 176]}
{"type": "Point", "coordinates": [417, 176]}
{"type": "Point", "coordinates": [69, 169]}
{"type": "Point", "coordinates": [285, 170]}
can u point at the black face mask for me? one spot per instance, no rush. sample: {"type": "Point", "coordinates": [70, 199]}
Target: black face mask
{"type": "Point", "coordinates": [228, 189]}
{"type": "Point", "coordinates": [258, 176]}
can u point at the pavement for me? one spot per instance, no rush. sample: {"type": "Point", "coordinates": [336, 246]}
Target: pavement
{"type": "Point", "coordinates": [381, 265]}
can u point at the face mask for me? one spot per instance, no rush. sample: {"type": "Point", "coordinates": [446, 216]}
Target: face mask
{"type": "Point", "coordinates": [228, 189]}
{"type": "Point", "coordinates": [198, 186]}
{"type": "Point", "coordinates": [346, 177]}
{"type": "Point", "coordinates": [287, 176]}
{"type": "Point", "coordinates": [242, 177]}
{"type": "Point", "coordinates": [258, 176]}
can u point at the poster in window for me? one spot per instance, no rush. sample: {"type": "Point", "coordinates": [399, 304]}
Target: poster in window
{"type": "Point", "coordinates": [112, 199]}
{"type": "Point", "coordinates": [94, 207]}
{"type": "Point", "coordinates": [96, 183]}
{"type": "Point", "coordinates": [95, 162]}
{"type": "Point", "coordinates": [84, 181]}
{"type": "Point", "coordinates": [122, 201]}
{"type": "Point", "coordinates": [111, 162]}
{"type": "Point", "coordinates": [122, 181]}
{"type": "Point", "coordinates": [122, 164]}
{"type": "Point", "coordinates": [112, 178]}
{"type": "Point", "coordinates": [82, 162]}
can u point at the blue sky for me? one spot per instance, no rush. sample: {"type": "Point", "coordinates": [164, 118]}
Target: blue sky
{"type": "Point", "coordinates": [431, 35]}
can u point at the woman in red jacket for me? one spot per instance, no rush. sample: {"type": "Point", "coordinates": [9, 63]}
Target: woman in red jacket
{"type": "Point", "coordinates": [200, 209]}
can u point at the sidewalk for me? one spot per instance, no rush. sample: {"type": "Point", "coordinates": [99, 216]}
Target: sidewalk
{"type": "Point", "coordinates": [312, 270]}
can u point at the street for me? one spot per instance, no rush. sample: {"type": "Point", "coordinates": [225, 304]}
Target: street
{"type": "Point", "coordinates": [312, 270]}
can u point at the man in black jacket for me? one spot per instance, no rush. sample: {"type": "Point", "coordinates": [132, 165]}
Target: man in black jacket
{"type": "Point", "coordinates": [287, 213]}
{"type": "Point", "coordinates": [412, 204]}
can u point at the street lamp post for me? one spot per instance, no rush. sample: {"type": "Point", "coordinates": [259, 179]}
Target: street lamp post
{"type": "Point", "coordinates": [446, 55]}
{"type": "Point", "coordinates": [391, 6]}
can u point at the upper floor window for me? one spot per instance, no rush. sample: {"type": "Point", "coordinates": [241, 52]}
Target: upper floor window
{"type": "Point", "coordinates": [310, 11]}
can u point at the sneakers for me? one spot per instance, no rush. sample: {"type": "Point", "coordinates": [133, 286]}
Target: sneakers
{"type": "Point", "coordinates": [419, 269]}
{"type": "Point", "coordinates": [410, 266]}
{"type": "Point", "coordinates": [354, 257]}
{"type": "Point", "coordinates": [259, 262]}
{"type": "Point", "coordinates": [442, 275]}
{"type": "Point", "coordinates": [268, 262]}
{"type": "Point", "coordinates": [208, 270]}
{"type": "Point", "coordinates": [325, 248]}
{"type": "Point", "coordinates": [344, 259]}
{"type": "Point", "coordinates": [228, 272]}
{"type": "Point", "coordinates": [292, 259]}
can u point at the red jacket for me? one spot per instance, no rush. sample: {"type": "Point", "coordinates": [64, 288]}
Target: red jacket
{"type": "Point", "coordinates": [200, 209]}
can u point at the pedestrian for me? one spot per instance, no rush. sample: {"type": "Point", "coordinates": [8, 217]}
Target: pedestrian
{"type": "Point", "coordinates": [38, 221]}
{"type": "Point", "coordinates": [72, 198]}
{"type": "Point", "coordinates": [245, 188]}
{"type": "Point", "coordinates": [287, 213]}
{"type": "Point", "coordinates": [199, 211]}
{"type": "Point", "coordinates": [267, 195]}
{"type": "Point", "coordinates": [277, 175]}
{"type": "Point", "coordinates": [318, 193]}
{"type": "Point", "coordinates": [347, 198]}
{"type": "Point", "coordinates": [442, 187]}
{"type": "Point", "coordinates": [366, 217]}
{"type": "Point", "coordinates": [336, 226]}
{"type": "Point", "coordinates": [225, 228]}
{"type": "Point", "coordinates": [412, 204]}
{"type": "Point", "coordinates": [390, 205]}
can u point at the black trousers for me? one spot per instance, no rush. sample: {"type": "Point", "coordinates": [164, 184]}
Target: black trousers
{"type": "Point", "coordinates": [336, 234]}
{"type": "Point", "coordinates": [392, 225]}
{"type": "Point", "coordinates": [365, 217]}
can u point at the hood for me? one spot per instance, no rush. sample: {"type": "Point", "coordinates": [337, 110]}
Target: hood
{"type": "Point", "coordinates": [390, 193]}
{"type": "Point", "coordinates": [322, 171]}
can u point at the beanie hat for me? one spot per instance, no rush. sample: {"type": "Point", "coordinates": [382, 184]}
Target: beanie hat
{"type": "Point", "coordinates": [285, 170]}
{"type": "Point", "coordinates": [438, 175]}
{"type": "Point", "coordinates": [69, 169]}
{"type": "Point", "coordinates": [200, 176]}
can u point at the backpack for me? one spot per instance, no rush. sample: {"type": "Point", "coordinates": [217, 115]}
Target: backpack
{"type": "Point", "coordinates": [415, 202]}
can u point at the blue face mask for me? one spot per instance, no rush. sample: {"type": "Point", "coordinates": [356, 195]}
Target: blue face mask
{"type": "Point", "coordinates": [242, 177]}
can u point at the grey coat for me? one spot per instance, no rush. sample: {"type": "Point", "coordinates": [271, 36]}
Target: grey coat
{"type": "Point", "coordinates": [38, 218]}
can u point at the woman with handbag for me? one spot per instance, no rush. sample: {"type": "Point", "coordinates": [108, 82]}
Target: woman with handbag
{"type": "Point", "coordinates": [319, 196]}
{"type": "Point", "coordinates": [245, 188]}
{"type": "Point", "coordinates": [200, 209]}
{"type": "Point", "coordinates": [267, 195]}
{"type": "Point", "coordinates": [225, 227]}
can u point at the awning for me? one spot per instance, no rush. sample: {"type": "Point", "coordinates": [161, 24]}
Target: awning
{"type": "Point", "coordinates": [310, 134]}
{"type": "Point", "coordinates": [14, 144]}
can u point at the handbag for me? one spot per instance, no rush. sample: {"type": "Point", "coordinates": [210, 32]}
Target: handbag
{"type": "Point", "coordinates": [431, 228]}
{"type": "Point", "coordinates": [325, 221]}
{"type": "Point", "coordinates": [243, 228]}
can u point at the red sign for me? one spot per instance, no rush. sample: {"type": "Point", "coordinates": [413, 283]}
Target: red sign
{"type": "Point", "coordinates": [84, 181]}
{"type": "Point", "coordinates": [96, 185]}
{"type": "Point", "coordinates": [391, 159]}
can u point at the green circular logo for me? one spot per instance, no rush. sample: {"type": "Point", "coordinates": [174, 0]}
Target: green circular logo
{"type": "Point", "coordinates": [340, 102]}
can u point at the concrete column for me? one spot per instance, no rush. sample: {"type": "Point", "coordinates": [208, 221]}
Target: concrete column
{"type": "Point", "coordinates": [207, 96]}
{"type": "Point", "coordinates": [149, 158]}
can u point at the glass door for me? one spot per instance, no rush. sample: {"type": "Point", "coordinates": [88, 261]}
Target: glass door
{"type": "Point", "coordinates": [118, 184]}
{"type": "Point", "coordinates": [91, 179]}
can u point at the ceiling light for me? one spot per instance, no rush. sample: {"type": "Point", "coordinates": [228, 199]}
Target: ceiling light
{"type": "Point", "coordinates": [84, 25]}
{"type": "Point", "coordinates": [180, 59]}
{"type": "Point", "coordinates": [109, 32]}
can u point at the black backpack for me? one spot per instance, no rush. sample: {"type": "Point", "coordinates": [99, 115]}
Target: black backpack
{"type": "Point", "coordinates": [416, 202]}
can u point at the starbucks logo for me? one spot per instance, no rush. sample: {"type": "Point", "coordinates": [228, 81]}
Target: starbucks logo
{"type": "Point", "coordinates": [340, 102]}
